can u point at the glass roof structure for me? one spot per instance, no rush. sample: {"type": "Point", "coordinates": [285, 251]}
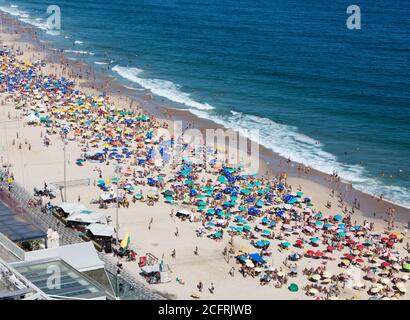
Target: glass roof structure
{"type": "Point", "coordinates": [59, 280]}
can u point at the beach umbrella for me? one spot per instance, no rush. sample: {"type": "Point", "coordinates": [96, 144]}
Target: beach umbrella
{"type": "Point", "coordinates": [406, 267]}
{"type": "Point", "coordinates": [293, 287]}
{"type": "Point", "coordinates": [126, 241]}
{"type": "Point", "coordinates": [314, 240]}
{"type": "Point", "coordinates": [285, 244]}
{"type": "Point", "coordinates": [338, 217]}
{"type": "Point", "coordinates": [299, 242]}
{"type": "Point", "coordinates": [310, 252]}
{"type": "Point", "coordinates": [294, 256]}
{"type": "Point", "coordinates": [168, 193]}
{"type": "Point", "coordinates": [313, 291]}
{"type": "Point", "coordinates": [358, 285]}
{"type": "Point", "coordinates": [318, 254]}
{"type": "Point", "coordinates": [375, 290]}
{"type": "Point", "coordinates": [249, 263]}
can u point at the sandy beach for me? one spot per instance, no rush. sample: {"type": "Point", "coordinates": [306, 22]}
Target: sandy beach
{"type": "Point", "coordinates": [152, 228]}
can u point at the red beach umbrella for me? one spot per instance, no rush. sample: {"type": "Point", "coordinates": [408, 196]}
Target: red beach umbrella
{"type": "Point", "coordinates": [386, 264]}
{"type": "Point", "coordinates": [310, 252]}
{"type": "Point", "coordinates": [299, 242]}
{"type": "Point", "coordinates": [319, 254]}
{"type": "Point", "coordinates": [330, 248]}
{"type": "Point", "coordinates": [348, 256]}
{"type": "Point", "coordinates": [360, 247]}
{"type": "Point", "coordinates": [390, 243]}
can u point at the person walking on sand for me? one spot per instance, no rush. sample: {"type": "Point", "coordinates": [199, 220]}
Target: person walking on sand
{"type": "Point", "coordinates": [173, 254]}
{"type": "Point", "coordinates": [196, 251]}
{"type": "Point", "coordinates": [212, 288]}
{"type": "Point", "coordinates": [200, 286]}
{"type": "Point", "coordinates": [232, 271]}
{"type": "Point", "coordinates": [176, 232]}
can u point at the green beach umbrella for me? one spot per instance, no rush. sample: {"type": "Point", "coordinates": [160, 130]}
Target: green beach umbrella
{"type": "Point", "coordinates": [247, 228]}
{"type": "Point", "coordinates": [293, 287]}
{"type": "Point", "coordinates": [168, 193]}
{"type": "Point", "coordinates": [222, 179]}
{"type": "Point", "coordinates": [242, 208]}
{"type": "Point", "coordinates": [300, 193]}
{"type": "Point", "coordinates": [245, 191]}
{"type": "Point", "coordinates": [406, 266]}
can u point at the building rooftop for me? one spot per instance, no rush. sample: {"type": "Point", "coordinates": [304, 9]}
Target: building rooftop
{"type": "Point", "coordinates": [59, 280]}
{"type": "Point", "coordinates": [11, 284]}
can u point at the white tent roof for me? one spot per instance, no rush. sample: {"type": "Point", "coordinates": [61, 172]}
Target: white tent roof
{"type": "Point", "coordinates": [71, 207]}
{"type": "Point", "coordinates": [99, 229]}
{"type": "Point", "coordinates": [33, 118]}
{"type": "Point", "coordinates": [81, 256]}
{"type": "Point", "coordinates": [185, 212]}
{"type": "Point", "coordinates": [87, 216]}
{"type": "Point", "coordinates": [108, 196]}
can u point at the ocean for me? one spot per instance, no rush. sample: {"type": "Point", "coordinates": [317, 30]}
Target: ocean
{"type": "Point", "coordinates": [320, 94]}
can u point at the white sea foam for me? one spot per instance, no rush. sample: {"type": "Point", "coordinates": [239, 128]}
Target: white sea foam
{"type": "Point", "coordinates": [288, 142]}
{"type": "Point", "coordinates": [101, 63]}
{"type": "Point", "coordinates": [163, 88]}
{"type": "Point", "coordinates": [79, 52]}
{"type": "Point", "coordinates": [135, 89]}
{"type": "Point", "coordinates": [78, 42]}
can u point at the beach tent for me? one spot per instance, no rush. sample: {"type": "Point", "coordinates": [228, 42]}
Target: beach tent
{"type": "Point", "coordinates": [87, 217]}
{"type": "Point", "coordinates": [101, 230]}
{"type": "Point", "coordinates": [184, 213]}
{"type": "Point", "coordinates": [69, 208]}
{"type": "Point", "coordinates": [32, 119]}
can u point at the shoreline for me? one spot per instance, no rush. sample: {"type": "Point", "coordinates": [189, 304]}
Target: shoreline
{"type": "Point", "coordinates": [157, 107]}
{"type": "Point", "coordinates": [314, 183]}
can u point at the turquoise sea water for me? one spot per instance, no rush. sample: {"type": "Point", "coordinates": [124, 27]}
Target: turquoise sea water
{"type": "Point", "coordinates": [323, 95]}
